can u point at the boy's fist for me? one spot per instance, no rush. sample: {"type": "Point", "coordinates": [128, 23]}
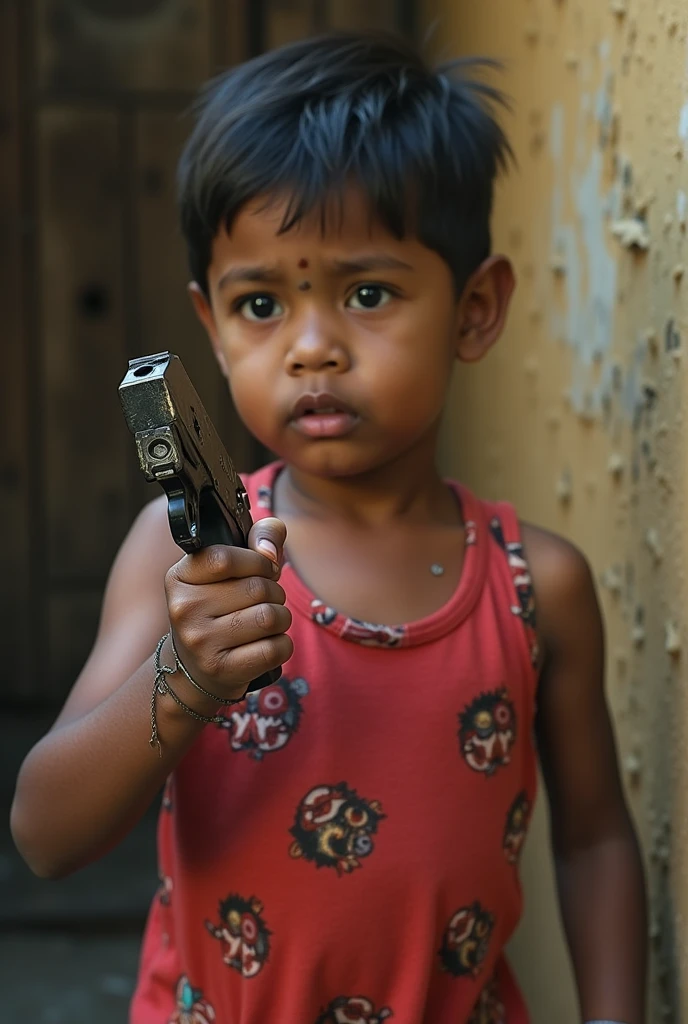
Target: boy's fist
{"type": "Point", "coordinates": [227, 613]}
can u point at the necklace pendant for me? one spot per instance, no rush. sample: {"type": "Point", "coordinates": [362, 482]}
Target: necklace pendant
{"type": "Point", "coordinates": [436, 569]}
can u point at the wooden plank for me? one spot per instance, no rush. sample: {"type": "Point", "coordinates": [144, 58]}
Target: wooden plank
{"type": "Point", "coordinates": [166, 317]}
{"type": "Point", "coordinates": [17, 633]}
{"type": "Point", "coordinates": [285, 21]}
{"type": "Point", "coordinates": [362, 14]}
{"type": "Point", "coordinates": [230, 33]}
{"type": "Point", "coordinates": [167, 320]}
{"type": "Point", "coordinates": [83, 324]}
{"type": "Point", "coordinates": [72, 625]}
{"type": "Point", "coordinates": [114, 45]}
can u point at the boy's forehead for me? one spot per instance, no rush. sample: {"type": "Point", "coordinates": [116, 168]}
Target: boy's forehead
{"type": "Point", "coordinates": [345, 238]}
{"type": "Point", "coordinates": [345, 222]}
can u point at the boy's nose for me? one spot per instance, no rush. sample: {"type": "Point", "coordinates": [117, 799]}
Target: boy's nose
{"type": "Point", "coordinates": [316, 349]}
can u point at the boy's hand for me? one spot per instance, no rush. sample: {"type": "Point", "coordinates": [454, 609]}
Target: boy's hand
{"type": "Point", "coordinates": [227, 612]}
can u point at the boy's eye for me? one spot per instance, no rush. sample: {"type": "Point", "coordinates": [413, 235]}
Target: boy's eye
{"type": "Point", "coordinates": [369, 296]}
{"type": "Point", "coordinates": [259, 307]}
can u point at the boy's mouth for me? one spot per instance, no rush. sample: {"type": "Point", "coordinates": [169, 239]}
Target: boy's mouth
{"type": "Point", "coordinates": [323, 415]}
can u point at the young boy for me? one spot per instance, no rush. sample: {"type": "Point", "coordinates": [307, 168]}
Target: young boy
{"type": "Point", "coordinates": [343, 845]}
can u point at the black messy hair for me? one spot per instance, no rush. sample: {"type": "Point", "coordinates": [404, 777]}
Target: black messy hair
{"type": "Point", "coordinates": [310, 118]}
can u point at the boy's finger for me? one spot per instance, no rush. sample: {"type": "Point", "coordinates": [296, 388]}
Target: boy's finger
{"type": "Point", "coordinates": [268, 536]}
{"type": "Point", "coordinates": [221, 562]}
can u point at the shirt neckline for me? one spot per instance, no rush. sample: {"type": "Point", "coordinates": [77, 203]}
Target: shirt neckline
{"type": "Point", "coordinates": [369, 634]}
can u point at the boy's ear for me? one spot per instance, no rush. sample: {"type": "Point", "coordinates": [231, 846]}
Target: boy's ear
{"type": "Point", "coordinates": [483, 308]}
{"type": "Point", "coordinates": [205, 314]}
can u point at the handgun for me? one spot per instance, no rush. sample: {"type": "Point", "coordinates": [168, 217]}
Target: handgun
{"type": "Point", "coordinates": [179, 448]}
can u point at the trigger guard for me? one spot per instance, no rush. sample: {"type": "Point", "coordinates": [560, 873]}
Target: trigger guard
{"type": "Point", "coordinates": [183, 521]}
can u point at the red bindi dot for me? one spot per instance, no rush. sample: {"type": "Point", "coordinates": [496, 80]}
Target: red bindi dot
{"type": "Point", "coordinates": [303, 264]}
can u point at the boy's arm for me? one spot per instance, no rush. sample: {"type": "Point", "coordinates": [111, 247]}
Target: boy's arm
{"type": "Point", "coordinates": [598, 865]}
{"type": "Point", "coordinates": [94, 767]}
{"type": "Point", "coordinates": [88, 781]}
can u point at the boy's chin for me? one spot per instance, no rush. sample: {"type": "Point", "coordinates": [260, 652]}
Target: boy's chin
{"type": "Point", "coordinates": [330, 461]}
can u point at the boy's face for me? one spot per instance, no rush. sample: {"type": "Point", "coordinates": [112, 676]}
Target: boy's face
{"type": "Point", "coordinates": [338, 344]}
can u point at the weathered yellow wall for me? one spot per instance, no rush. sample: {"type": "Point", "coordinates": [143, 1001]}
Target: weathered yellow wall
{"type": "Point", "coordinates": [577, 417]}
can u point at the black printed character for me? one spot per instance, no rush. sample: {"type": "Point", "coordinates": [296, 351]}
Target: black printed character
{"type": "Point", "coordinates": [165, 889]}
{"type": "Point", "coordinates": [489, 1008]}
{"type": "Point", "coordinates": [353, 1010]}
{"type": "Point", "coordinates": [191, 1007]}
{"type": "Point", "coordinates": [167, 803]}
{"type": "Point", "coordinates": [487, 731]}
{"type": "Point", "coordinates": [265, 721]}
{"type": "Point", "coordinates": [321, 613]}
{"type": "Point", "coordinates": [334, 827]}
{"type": "Point", "coordinates": [520, 573]}
{"type": "Point", "coordinates": [466, 941]}
{"type": "Point", "coordinates": [373, 634]}
{"type": "Point", "coordinates": [516, 827]}
{"type": "Point", "coordinates": [264, 496]}
{"type": "Point", "coordinates": [244, 933]}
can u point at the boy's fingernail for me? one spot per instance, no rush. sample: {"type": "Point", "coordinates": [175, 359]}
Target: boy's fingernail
{"type": "Point", "coordinates": [268, 548]}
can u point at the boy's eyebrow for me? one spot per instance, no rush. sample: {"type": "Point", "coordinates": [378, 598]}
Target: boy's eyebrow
{"type": "Point", "coordinates": [262, 273]}
{"type": "Point", "coordinates": [362, 264]}
{"type": "Point", "coordinates": [256, 272]}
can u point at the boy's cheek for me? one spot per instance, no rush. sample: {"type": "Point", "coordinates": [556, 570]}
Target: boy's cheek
{"type": "Point", "coordinates": [254, 402]}
{"type": "Point", "coordinates": [239, 364]}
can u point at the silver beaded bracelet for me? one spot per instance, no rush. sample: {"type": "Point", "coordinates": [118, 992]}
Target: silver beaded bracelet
{"type": "Point", "coordinates": [161, 686]}
{"type": "Point", "coordinates": [180, 667]}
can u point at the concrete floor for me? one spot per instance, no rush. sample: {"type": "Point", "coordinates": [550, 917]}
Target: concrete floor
{"type": "Point", "coordinates": [69, 949]}
{"type": "Point", "coordinates": [65, 979]}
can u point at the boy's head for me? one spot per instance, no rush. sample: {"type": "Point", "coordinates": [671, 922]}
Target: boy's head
{"type": "Point", "coordinates": [311, 118]}
{"type": "Point", "coordinates": [335, 198]}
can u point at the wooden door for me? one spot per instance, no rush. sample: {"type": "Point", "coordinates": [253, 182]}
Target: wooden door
{"type": "Point", "coordinates": [92, 101]}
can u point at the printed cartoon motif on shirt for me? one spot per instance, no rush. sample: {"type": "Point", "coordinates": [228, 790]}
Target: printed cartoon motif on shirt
{"type": "Point", "coordinates": [192, 1008]}
{"type": "Point", "coordinates": [466, 941]}
{"type": "Point", "coordinates": [516, 827]}
{"type": "Point", "coordinates": [165, 889]}
{"type": "Point", "coordinates": [487, 731]}
{"type": "Point", "coordinates": [369, 634]}
{"type": "Point", "coordinates": [489, 1009]}
{"type": "Point", "coordinates": [266, 720]}
{"type": "Point", "coordinates": [264, 497]}
{"type": "Point", "coordinates": [334, 827]}
{"type": "Point", "coordinates": [353, 1010]}
{"type": "Point", "coordinates": [372, 634]}
{"type": "Point", "coordinates": [471, 533]}
{"type": "Point", "coordinates": [520, 572]}
{"type": "Point", "coordinates": [523, 584]}
{"type": "Point", "coordinates": [167, 804]}
{"type": "Point", "coordinates": [321, 613]}
{"type": "Point", "coordinates": [244, 933]}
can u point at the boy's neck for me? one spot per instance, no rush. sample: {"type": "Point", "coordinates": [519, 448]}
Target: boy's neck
{"type": "Point", "coordinates": [409, 490]}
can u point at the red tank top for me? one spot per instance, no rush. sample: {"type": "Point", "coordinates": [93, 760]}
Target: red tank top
{"type": "Point", "coordinates": [344, 848]}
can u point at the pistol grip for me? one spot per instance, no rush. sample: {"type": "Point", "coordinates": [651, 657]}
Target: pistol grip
{"type": "Point", "coordinates": [267, 679]}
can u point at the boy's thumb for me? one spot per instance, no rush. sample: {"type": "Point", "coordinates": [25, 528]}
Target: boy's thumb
{"type": "Point", "coordinates": [267, 536]}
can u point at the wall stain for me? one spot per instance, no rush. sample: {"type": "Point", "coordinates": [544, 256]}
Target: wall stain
{"type": "Point", "coordinates": [584, 398]}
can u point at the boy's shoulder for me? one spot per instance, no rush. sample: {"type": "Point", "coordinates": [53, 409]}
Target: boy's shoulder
{"type": "Point", "coordinates": [557, 561]}
{"type": "Point", "coordinates": [565, 592]}
{"type": "Point", "coordinates": [553, 553]}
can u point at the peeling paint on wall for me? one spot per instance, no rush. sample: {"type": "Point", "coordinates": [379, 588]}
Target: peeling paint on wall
{"type": "Point", "coordinates": [584, 398]}
{"type": "Point", "coordinates": [579, 245]}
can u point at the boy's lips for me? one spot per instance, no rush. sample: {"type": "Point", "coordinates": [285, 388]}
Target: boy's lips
{"type": "Point", "coordinates": [323, 415]}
